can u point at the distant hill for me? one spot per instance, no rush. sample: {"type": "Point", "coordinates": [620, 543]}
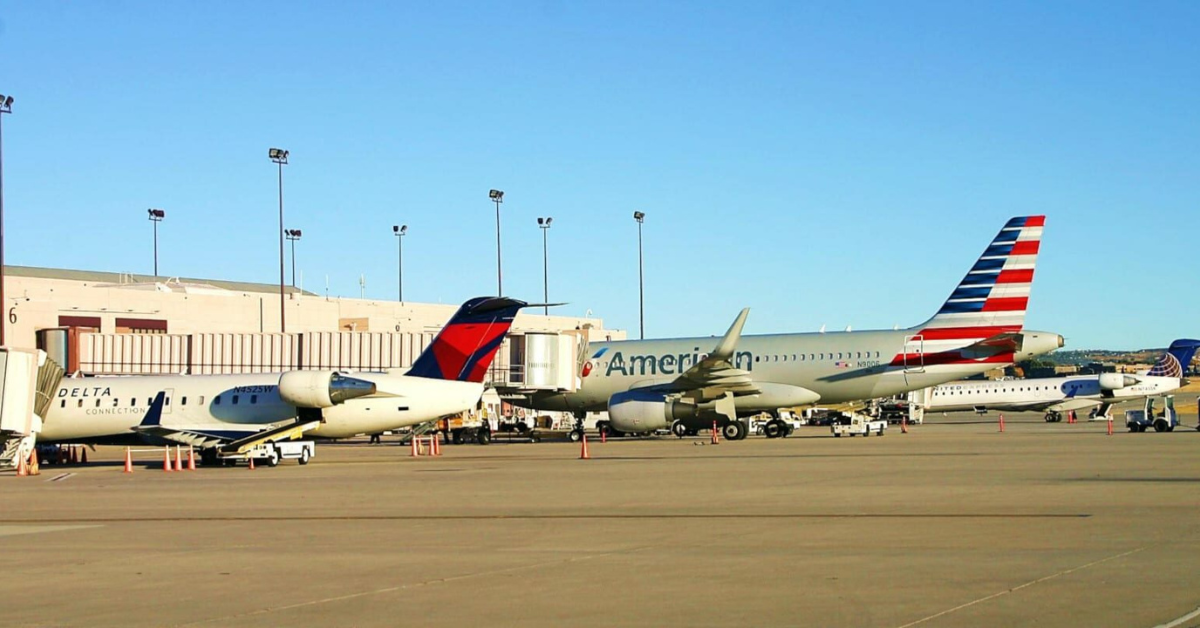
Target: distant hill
{"type": "Point", "coordinates": [1080, 357]}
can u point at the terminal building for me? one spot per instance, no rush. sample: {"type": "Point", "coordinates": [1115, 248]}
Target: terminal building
{"type": "Point", "coordinates": [101, 323]}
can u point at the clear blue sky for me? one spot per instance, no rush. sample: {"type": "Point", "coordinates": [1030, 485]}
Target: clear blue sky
{"type": "Point", "coordinates": [829, 163]}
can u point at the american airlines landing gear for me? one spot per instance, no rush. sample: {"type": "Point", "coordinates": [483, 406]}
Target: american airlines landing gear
{"type": "Point", "coordinates": [680, 430]}
{"type": "Point", "coordinates": [734, 430]}
{"type": "Point", "coordinates": [775, 429]}
{"type": "Point", "coordinates": [576, 434]}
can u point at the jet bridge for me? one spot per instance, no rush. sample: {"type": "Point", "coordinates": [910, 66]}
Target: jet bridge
{"type": "Point", "coordinates": [539, 361]}
{"type": "Point", "coordinates": [28, 380]}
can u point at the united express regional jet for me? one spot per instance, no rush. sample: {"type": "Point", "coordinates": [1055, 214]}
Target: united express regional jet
{"type": "Point", "coordinates": [1056, 395]}
{"type": "Point", "coordinates": [652, 384]}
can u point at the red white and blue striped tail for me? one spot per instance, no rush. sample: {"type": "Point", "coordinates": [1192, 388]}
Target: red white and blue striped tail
{"type": "Point", "coordinates": [992, 298]}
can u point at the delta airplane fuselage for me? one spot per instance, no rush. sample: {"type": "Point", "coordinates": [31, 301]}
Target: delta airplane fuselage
{"type": "Point", "coordinates": [109, 408]}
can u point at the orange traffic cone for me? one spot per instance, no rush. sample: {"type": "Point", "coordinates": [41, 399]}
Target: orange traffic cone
{"type": "Point", "coordinates": [583, 450]}
{"type": "Point", "coordinates": [191, 458]}
{"type": "Point", "coordinates": [22, 471]}
{"type": "Point", "coordinates": [416, 449]}
{"type": "Point", "coordinates": [34, 469]}
{"type": "Point", "coordinates": [437, 444]}
{"type": "Point", "coordinates": [1001, 423]}
{"type": "Point", "coordinates": [603, 436]}
{"type": "Point", "coordinates": [166, 458]}
{"type": "Point", "coordinates": [74, 455]}
{"type": "Point", "coordinates": [716, 435]}
{"type": "Point", "coordinates": [128, 461]}
{"type": "Point", "coordinates": [178, 459]}
{"type": "Point", "coordinates": [903, 425]}
{"type": "Point", "coordinates": [251, 463]}
{"type": "Point", "coordinates": [83, 455]}
{"type": "Point", "coordinates": [1110, 426]}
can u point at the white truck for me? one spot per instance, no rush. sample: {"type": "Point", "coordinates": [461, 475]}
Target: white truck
{"type": "Point", "coordinates": [855, 423]}
{"type": "Point", "coordinates": [272, 452]}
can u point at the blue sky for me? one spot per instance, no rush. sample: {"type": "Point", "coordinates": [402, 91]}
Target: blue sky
{"type": "Point", "coordinates": [833, 163]}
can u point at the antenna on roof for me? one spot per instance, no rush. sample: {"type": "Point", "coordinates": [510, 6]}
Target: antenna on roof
{"type": "Point", "coordinates": [821, 330]}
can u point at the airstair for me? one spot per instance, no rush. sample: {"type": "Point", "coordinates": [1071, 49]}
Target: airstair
{"type": "Point", "coordinates": [288, 431]}
{"type": "Point", "coordinates": [28, 381]}
{"type": "Point", "coordinates": [420, 429]}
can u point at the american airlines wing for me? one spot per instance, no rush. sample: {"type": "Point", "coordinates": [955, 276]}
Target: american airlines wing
{"type": "Point", "coordinates": [715, 372]}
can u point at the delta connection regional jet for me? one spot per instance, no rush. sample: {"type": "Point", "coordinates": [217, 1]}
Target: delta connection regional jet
{"type": "Point", "coordinates": [652, 384]}
{"type": "Point", "coordinates": [213, 411]}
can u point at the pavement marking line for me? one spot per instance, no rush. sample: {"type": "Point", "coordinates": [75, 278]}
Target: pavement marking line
{"type": "Point", "coordinates": [415, 585]}
{"type": "Point", "coordinates": [1018, 588]}
{"type": "Point", "coordinates": [60, 477]}
{"type": "Point", "coordinates": [550, 517]}
{"type": "Point", "coordinates": [1182, 620]}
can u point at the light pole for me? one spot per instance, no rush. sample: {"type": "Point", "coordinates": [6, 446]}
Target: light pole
{"type": "Point", "coordinates": [641, 217]}
{"type": "Point", "coordinates": [497, 197]}
{"type": "Point", "coordinates": [544, 223]}
{"type": "Point", "coordinates": [400, 230]}
{"type": "Point", "coordinates": [280, 156]}
{"type": "Point", "coordinates": [293, 235]}
{"type": "Point", "coordinates": [156, 216]}
{"type": "Point", "coordinates": [5, 107]}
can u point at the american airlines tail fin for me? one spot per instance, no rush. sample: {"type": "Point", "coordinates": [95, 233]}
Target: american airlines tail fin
{"type": "Point", "coordinates": [992, 297]}
{"type": "Point", "coordinates": [1175, 361]}
{"type": "Point", "coordinates": [464, 348]}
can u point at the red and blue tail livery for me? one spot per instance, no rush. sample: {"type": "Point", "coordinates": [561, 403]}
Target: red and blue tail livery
{"type": "Point", "coordinates": [465, 347]}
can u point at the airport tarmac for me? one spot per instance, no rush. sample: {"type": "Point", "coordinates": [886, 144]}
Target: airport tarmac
{"type": "Point", "coordinates": [952, 524]}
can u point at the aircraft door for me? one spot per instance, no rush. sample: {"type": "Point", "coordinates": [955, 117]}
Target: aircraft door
{"type": "Point", "coordinates": [914, 354]}
{"type": "Point", "coordinates": [168, 400]}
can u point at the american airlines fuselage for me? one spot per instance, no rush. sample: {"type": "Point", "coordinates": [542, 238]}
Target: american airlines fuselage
{"type": "Point", "coordinates": [108, 408]}
{"type": "Point", "coordinates": [789, 369]}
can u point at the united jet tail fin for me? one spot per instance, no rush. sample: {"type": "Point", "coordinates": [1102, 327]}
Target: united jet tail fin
{"type": "Point", "coordinates": [464, 348]}
{"type": "Point", "coordinates": [1174, 363]}
{"type": "Point", "coordinates": [992, 297]}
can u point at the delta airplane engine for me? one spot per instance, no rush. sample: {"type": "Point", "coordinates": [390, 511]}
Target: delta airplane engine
{"type": "Point", "coordinates": [1116, 381]}
{"type": "Point", "coordinates": [321, 389]}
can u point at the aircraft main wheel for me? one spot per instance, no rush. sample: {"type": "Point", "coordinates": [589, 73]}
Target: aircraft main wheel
{"type": "Point", "coordinates": [575, 436]}
{"type": "Point", "coordinates": [734, 430]}
{"type": "Point", "coordinates": [680, 430]}
{"type": "Point", "coordinates": [305, 456]}
{"type": "Point", "coordinates": [456, 438]}
{"type": "Point", "coordinates": [773, 429]}
{"type": "Point", "coordinates": [483, 437]}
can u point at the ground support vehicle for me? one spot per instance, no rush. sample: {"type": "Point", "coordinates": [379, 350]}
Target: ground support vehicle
{"type": "Point", "coordinates": [269, 453]}
{"type": "Point", "coordinates": [1165, 421]}
{"type": "Point", "coordinates": [460, 429]}
{"type": "Point", "coordinates": [855, 424]}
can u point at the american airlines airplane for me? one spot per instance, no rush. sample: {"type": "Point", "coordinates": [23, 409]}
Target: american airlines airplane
{"type": "Point", "coordinates": [1056, 395]}
{"type": "Point", "coordinates": [687, 384]}
{"type": "Point", "coordinates": [213, 410]}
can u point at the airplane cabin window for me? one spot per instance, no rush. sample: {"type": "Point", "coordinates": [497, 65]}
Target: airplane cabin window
{"type": "Point", "coordinates": [235, 400]}
{"type": "Point", "coordinates": [167, 401]}
{"type": "Point", "coordinates": [80, 403]}
{"type": "Point", "coordinates": [200, 400]}
{"type": "Point", "coordinates": [183, 401]}
{"type": "Point", "coordinates": [253, 398]}
{"type": "Point", "coordinates": [64, 403]}
{"type": "Point", "coordinates": [97, 403]}
{"type": "Point", "coordinates": [217, 400]}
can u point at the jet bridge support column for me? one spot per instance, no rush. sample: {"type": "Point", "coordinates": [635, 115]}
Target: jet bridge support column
{"type": "Point", "coordinates": [21, 381]}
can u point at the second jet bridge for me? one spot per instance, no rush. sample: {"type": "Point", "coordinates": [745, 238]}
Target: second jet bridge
{"type": "Point", "coordinates": [539, 361]}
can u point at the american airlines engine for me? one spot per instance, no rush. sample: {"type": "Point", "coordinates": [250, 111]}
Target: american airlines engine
{"type": "Point", "coordinates": [317, 389]}
{"type": "Point", "coordinates": [647, 410]}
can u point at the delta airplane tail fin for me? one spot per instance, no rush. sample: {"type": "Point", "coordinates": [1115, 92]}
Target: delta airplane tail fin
{"type": "Point", "coordinates": [992, 297]}
{"type": "Point", "coordinates": [1175, 361]}
{"type": "Point", "coordinates": [464, 348]}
